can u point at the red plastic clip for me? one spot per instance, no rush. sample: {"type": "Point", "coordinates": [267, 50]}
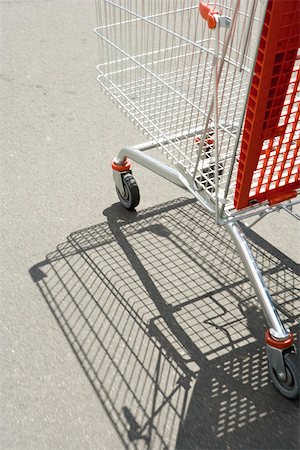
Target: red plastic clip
{"type": "Point", "coordinates": [207, 13]}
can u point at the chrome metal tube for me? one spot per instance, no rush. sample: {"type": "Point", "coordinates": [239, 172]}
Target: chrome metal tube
{"type": "Point", "coordinates": [150, 163]}
{"type": "Point", "coordinates": [169, 173]}
{"type": "Point", "coordinates": [277, 328]}
{"type": "Point", "coordinates": [165, 141]}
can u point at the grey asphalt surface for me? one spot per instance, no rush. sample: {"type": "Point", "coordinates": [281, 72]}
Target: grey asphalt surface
{"type": "Point", "coordinates": [119, 330]}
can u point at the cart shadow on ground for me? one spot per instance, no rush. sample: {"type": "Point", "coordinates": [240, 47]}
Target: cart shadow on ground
{"type": "Point", "coordinates": [159, 313]}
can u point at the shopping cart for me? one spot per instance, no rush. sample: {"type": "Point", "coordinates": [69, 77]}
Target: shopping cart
{"type": "Point", "coordinates": [215, 87]}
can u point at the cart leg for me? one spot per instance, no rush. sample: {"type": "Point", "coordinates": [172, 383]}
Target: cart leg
{"type": "Point", "coordinates": [121, 167]}
{"type": "Point", "coordinates": [126, 186]}
{"type": "Point", "coordinates": [136, 153]}
{"type": "Point", "coordinates": [283, 361]}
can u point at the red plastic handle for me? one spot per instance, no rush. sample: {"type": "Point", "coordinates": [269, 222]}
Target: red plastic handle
{"type": "Point", "coordinates": [207, 13]}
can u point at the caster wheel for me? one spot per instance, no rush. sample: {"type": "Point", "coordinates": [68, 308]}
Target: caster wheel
{"type": "Point", "coordinates": [290, 388]}
{"type": "Point", "coordinates": [131, 197]}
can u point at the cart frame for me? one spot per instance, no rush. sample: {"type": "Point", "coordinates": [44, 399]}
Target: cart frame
{"type": "Point", "coordinates": [279, 339]}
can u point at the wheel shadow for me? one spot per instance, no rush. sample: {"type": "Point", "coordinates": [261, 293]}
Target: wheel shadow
{"type": "Point", "coordinates": [159, 313]}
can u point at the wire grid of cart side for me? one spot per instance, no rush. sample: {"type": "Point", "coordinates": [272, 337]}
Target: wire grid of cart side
{"type": "Point", "coordinates": [157, 63]}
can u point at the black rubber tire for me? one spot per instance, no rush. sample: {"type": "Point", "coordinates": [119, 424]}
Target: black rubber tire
{"type": "Point", "coordinates": [131, 197]}
{"type": "Point", "coordinates": [290, 388]}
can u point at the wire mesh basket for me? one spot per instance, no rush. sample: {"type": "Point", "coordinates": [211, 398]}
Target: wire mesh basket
{"type": "Point", "coordinates": [158, 58]}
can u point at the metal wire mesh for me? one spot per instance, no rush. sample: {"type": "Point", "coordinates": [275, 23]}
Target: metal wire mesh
{"type": "Point", "coordinates": [157, 62]}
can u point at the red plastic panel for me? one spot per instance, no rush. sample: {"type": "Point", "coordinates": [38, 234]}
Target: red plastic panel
{"type": "Point", "coordinates": [269, 164]}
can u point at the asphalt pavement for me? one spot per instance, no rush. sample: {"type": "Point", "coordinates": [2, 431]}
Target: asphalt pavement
{"type": "Point", "coordinates": [119, 330]}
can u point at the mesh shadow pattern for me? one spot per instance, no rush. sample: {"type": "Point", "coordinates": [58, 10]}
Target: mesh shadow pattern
{"type": "Point", "coordinates": [163, 320]}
